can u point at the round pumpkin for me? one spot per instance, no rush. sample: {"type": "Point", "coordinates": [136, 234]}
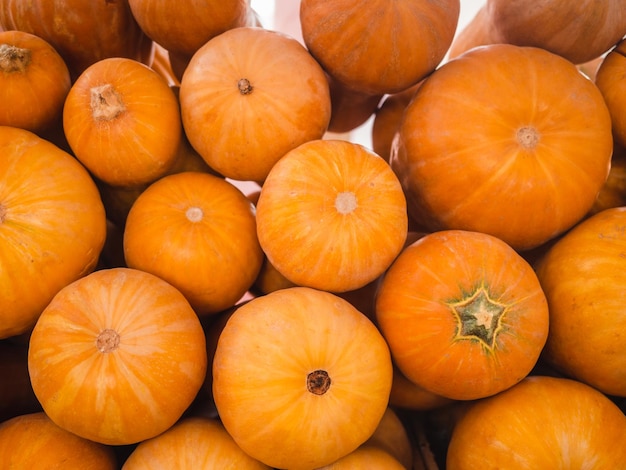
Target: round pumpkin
{"type": "Point", "coordinates": [611, 81]}
{"type": "Point", "coordinates": [378, 47]}
{"type": "Point", "coordinates": [349, 109]}
{"type": "Point", "coordinates": [393, 437]}
{"type": "Point", "coordinates": [198, 232]}
{"type": "Point", "coordinates": [302, 363]}
{"type": "Point", "coordinates": [504, 150]}
{"type": "Point", "coordinates": [248, 96]}
{"type": "Point", "coordinates": [33, 441]}
{"type": "Point", "coordinates": [34, 81]}
{"type": "Point", "coordinates": [122, 121]}
{"type": "Point", "coordinates": [583, 275]}
{"type": "Point", "coordinates": [613, 192]}
{"type": "Point", "coordinates": [463, 314]}
{"type": "Point", "coordinates": [117, 356]}
{"type": "Point", "coordinates": [542, 422]}
{"type": "Point", "coordinates": [52, 226]}
{"type": "Point", "coordinates": [339, 202]}
{"type": "Point", "coordinates": [366, 458]}
{"type": "Point", "coordinates": [193, 442]}
{"type": "Point", "coordinates": [407, 395]}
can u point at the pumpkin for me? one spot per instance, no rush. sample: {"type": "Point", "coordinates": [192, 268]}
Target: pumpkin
{"type": "Point", "coordinates": [613, 192]}
{"type": "Point", "coordinates": [304, 364]}
{"type": "Point", "coordinates": [34, 82]}
{"type": "Point", "coordinates": [366, 458]}
{"type": "Point", "coordinates": [33, 441]}
{"type": "Point", "coordinates": [505, 150]}
{"type": "Point", "coordinates": [392, 436]}
{"type": "Point", "coordinates": [122, 121]}
{"type": "Point", "coordinates": [407, 395]}
{"type": "Point", "coordinates": [193, 442]}
{"type": "Point", "coordinates": [378, 47]}
{"type": "Point", "coordinates": [463, 314]}
{"type": "Point", "coordinates": [248, 96]}
{"type": "Point", "coordinates": [583, 276]}
{"type": "Point", "coordinates": [198, 232]}
{"type": "Point", "coordinates": [349, 109]}
{"type": "Point", "coordinates": [117, 356]}
{"type": "Point", "coordinates": [478, 31]}
{"type": "Point", "coordinates": [52, 229]}
{"type": "Point", "coordinates": [611, 81]}
{"type": "Point", "coordinates": [81, 32]}
{"type": "Point", "coordinates": [339, 202]}
{"type": "Point", "coordinates": [542, 422]}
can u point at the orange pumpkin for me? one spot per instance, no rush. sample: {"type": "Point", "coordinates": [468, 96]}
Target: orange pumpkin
{"type": "Point", "coordinates": [583, 275]}
{"type": "Point", "coordinates": [302, 363]}
{"type": "Point", "coordinates": [613, 192]}
{"type": "Point", "coordinates": [250, 95]}
{"type": "Point", "coordinates": [366, 458]}
{"type": "Point", "coordinates": [504, 150]}
{"type": "Point", "coordinates": [478, 31]}
{"type": "Point", "coordinates": [193, 442]}
{"type": "Point", "coordinates": [52, 226]}
{"type": "Point", "coordinates": [338, 202]}
{"type": "Point", "coordinates": [406, 394]}
{"type": "Point", "coordinates": [117, 356]}
{"type": "Point", "coordinates": [392, 436]}
{"type": "Point", "coordinates": [542, 422]}
{"type": "Point", "coordinates": [122, 121]}
{"type": "Point", "coordinates": [611, 81]}
{"type": "Point", "coordinates": [463, 314]}
{"type": "Point", "coordinates": [34, 82]}
{"type": "Point", "coordinates": [378, 47]}
{"type": "Point", "coordinates": [198, 232]}
{"type": "Point", "coordinates": [349, 109]}
{"type": "Point", "coordinates": [81, 32]}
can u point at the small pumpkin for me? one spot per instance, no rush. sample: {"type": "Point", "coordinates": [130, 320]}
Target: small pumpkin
{"type": "Point", "coordinates": [117, 356]}
{"type": "Point", "coordinates": [335, 200]}
{"type": "Point", "coordinates": [407, 395]}
{"type": "Point", "coordinates": [611, 81]}
{"type": "Point", "coordinates": [463, 314]}
{"type": "Point", "coordinates": [302, 363]}
{"type": "Point", "coordinates": [613, 192]}
{"type": "Point", "coordinates": [393, 437]}
{"type": "Point", "coordinates": [542, 422]}
{"type": "Point", "coordinates": [366, 458]}
{"type": "Point", "coordinates": [122, 121]}
{"type": "Point", "coordinates": [350, 109]}
{"type": "Point", "coordinates": [34, 81]}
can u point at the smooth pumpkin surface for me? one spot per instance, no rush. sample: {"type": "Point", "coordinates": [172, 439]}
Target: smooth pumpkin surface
{"type": "Point", "coordinates": [505, 150]}
{"type": "Point", "coordinates": [366, 458]}
{"type": "Point", "coordinates": [300, 378]}
{"type": "Point", "coordinates": [612, 84]}
{"type": "Point", "coordinates": [378, 47]}
{"type": "Point", "coordinates": [198, 232]}
{"type": "Point", "coordinates": [542, 422]}
{"type": "Point", "coordinates": [33, 441]}
{"type": "Point", "coordinates": [583, 276]}
{"type": "Point", "coordinates": [463, 314]}
{"type": "Point", "coordinates": [248, 96]}
{"type": "Point", "coordinates": [122, 121]}
{"type": "Point", "coordinates": [34, 81]}
{"type": "Point", "coordinates": [52, 226]}
{"type": "Point", "coordinates": [339, 202]}
{"type": "Point", "coordinates": [117, 356]}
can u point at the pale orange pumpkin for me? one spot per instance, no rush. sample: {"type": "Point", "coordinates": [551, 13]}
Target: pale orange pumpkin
{"type": "Point", "coordinates": [248, 96]}
{"type": "Point", "coordinates": [542, 422]}
{"type": "Point", "coordinates": [504, 150]}
{"type": "Point", "coordinates": [611, 81]}
{"type": "Point", "coordinates": [122, 121]}
{"type": "Point", "coordinates": [331, 215]}
{"type": "Point", "coordinates": [198, 232]}
{"type": "Point", "coordinates": [300, 378]}
{"type": "Point", "coordinates": [34, 81]}
{"type": "Point", "coordinates": [52, 226]}
{"type": "Point", "coordinates": [117, 356]}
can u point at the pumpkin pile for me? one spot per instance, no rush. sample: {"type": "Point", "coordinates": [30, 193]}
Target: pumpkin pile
{"type": "Point", "coordinates": [200, 268]}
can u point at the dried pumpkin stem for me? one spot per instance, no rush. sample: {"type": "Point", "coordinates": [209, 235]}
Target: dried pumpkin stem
{"type": "Point", "coordinates": [527, 137]}
{"type": "Point", "coordinates": [245, 87]}
{"type": "Point", "coordinates": [13, 58]}
{"type": "Point", "coordinates": [107, 341]}
{"type": "Point", "coordinates": [318, 382]}
{"type": "Point", "coordinates": [106, 103]}
{"type": "Point", "coordinates": [345, 202]}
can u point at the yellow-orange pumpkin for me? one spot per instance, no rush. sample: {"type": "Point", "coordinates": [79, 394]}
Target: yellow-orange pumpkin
{"type": "Point", "coordinates": [366, 458]}
{"type": "Point", "coordinates": [117, 356]}
{"type": "Point", "coordinates": [611, 81]}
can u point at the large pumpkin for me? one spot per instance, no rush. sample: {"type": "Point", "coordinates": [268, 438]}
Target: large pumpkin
{"type": "Point", "coordinates": [300, 378]}
{"type": "Point", "coordinates": [378, 47]}
{"type": "Point", "coordinates": [337, 202]}
{"type": "Point", "coordinates": [583, 275]}
{"type": "Point", "coordinates": [542, 422]}
{"type": "Point", "coordinates": [117, 356]}
{"type": "Point", "coordinates": [52, 226]}
{"type": "Point", "coordinates": [463, 314]}
{"type": "Point", "coordinates": [494, 142]}
{"type": "Point", "coordinates": [611, 81]}
{"type": "Point", "coordinates": [248, 96]}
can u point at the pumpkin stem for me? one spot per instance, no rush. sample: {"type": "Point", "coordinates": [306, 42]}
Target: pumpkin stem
{"type": "Point", "coordinates": [106, 103]}
{"type": "Point", "coordinates": [107, 341]}
{"type": "Point", "coordinates": [318, 382]}
{"type": "Point", "coordinates": [245, 87]}
{"type": "Point", "coordinates": [479, 317]}
{"type": "Point", "coordinates": [13, 58]}
{"type": "Point", "coordinates": [527, 137]}
{"type": "Point", "coordinates": [194, 214]}
{"type": "Point", "coordinates": [345, 202]}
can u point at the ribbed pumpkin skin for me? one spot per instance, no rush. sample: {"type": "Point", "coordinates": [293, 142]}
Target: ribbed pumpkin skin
{"type": "Point", "coordinates": [117, 356]}
{"type": "Point", "coordinates": [506, 150]}
{"type": "Point", "coordinates": [610, 81]}
{"type": "Point", "coordinates": [268, 378]}
{"type": "Point", "coordinates": [562, 423]}
{"type": "Point", "coordinates": [52, 229]}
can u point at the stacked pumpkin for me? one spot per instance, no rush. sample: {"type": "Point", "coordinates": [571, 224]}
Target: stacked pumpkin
{"type": "Point", "coordinates": [459, 280]}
